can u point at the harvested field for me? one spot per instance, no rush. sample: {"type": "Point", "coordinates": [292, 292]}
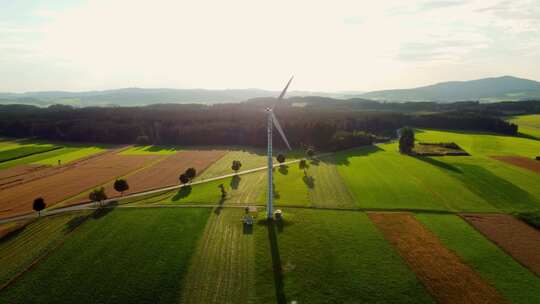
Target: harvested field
{"type": "Point", "coordinates": [15, 174]}
{"type": "Point", "coordinates": [165, 173]}
{"type": "Point", "coordinates": [523, 162]}
{"type": "Point", "coordinates": [25, 173]}
{"type": "Point", "coordinates": [58, 187]}
{"type": "Point", "coordinates": [515, 237]}
{"type": "Point", "coordinates": [439, 269]}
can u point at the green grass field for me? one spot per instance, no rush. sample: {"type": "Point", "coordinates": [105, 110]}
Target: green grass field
{"type": "Point", "coordinates": [126, 256]}
{"type": "Point", "coordinates": [528, 125]}
{"type": "Point", "coordinates": [19, 250]}
{"type": "Point", "coordinates": [71, 154]}
{"type": "Point", "coordinates": [515, 282]}
{"type": "Point", "coordinates": [327, 186]}
{"type": "Point", "coordinates": [223, 266]}
{"type": "Point", "coordinates": [337, 257]}
{"type": "Point", "coordinates": [241, 190]}
{"type": "Point", "coordinates": [151, 150]}
{"type": "Point", "coordinates": [290, 187]}
{"type": "Point", "coordinates": [66, 154]}
{"type": "Point", "coordinates": [381, 178]}
{"type": "Point", "coordinates": [26, 150]}
{"type": "Point", "coordinates": [531, 218]}
{"type": "Point", "coordinates": [250, 158]}
{"type": "Point", "coordinates": [479, 144]}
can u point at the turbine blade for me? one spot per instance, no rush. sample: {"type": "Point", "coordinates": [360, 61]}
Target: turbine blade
{"type": "Point", "coordinates": [280, 130]}
{"type": "Point", "coordinates": [285, 89]}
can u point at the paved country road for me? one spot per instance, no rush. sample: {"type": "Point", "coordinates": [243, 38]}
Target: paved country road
{"type": "Point", "coordinates": [91, 205]}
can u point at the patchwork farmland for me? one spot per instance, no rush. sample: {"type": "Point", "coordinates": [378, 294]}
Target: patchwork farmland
{"type": "Point", "coordinates": [365, 225]}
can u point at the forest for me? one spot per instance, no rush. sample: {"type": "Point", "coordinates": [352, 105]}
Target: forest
{"type": "Point", "coordinates": [326, 128]}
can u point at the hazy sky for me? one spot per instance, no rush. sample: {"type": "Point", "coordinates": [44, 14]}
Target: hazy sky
{"type": "Point", "coordinates": [327, 45]}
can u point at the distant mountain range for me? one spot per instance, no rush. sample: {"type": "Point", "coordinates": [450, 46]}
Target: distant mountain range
{"type": "Point", "coordinates": [486, 90]}
{"type": "Point", "coordinates": [138, 96]}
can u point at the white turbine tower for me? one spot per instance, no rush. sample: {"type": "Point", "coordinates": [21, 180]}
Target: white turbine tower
{"type": "Point", "coordinates": [271, 122]}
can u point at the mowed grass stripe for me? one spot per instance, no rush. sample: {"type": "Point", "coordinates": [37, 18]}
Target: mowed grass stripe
{"type": "Point", "coordinates": [327, 188]}
{"type": "Point", "coordinates": [19, 250]}
{"type": "Point", "coordinates": [339, 257]}
{"type": "Point", "coordinates": [36, 158]}
{"type": "Point", "coordinates": [71, 154]}
{"type": "Point", "coordinates": [223, 267]}
{"type": "Point", "coordinates": [241, 190]}
{"type": "Point", "coordinates": [250, 159]}
{"type": "Point", "coordinates": [24, 151]}
{"type": "Point", "coordinates": [290, 188]}
{"type": "Point", "coordinates": [514, 281]}
{"type": "Point", "coordinates": [126, 256]}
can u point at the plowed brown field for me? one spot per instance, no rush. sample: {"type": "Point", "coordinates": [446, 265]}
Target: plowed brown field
{"type": "Point", "coordinates": [14, 175]}
{"type": "Point", "coordinates": [523, 162]}
{"type": "Point", "coordinates": [439, 269]}
{"type": "Point", "coordinates": [58, 187]}
{"type": "Point", "coordinates": [166, 172]}
{"type": "Point", "coordinates": [515, 237]}
{"type": "Point", "coordinates": [24, 173]}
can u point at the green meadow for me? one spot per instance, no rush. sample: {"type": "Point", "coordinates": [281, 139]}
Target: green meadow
{"type": "Point", "coordinates": [126, 256]}
{"type": "Point", "coordinates": [23, 151]}
{"type": "Point", "coordinates": [35, 240]}
{"type": "Point", "coordinates": [337, 257]}
{"type": "Point", "coordinates": [483, 144]}
{"type": "Point", "coordinates": [150, 150]}
{"type": "Point", "coordinates": [528, 125]}
{"type": "Point", "coordinates": [381, 178]}
{"type": "Point", "coordinates": [47, 154]}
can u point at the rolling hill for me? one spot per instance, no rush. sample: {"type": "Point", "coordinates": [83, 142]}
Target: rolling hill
{"type": "Point", "coordinates": [142, 96]}
{"type": "Point", "coordinates": [486, 89]}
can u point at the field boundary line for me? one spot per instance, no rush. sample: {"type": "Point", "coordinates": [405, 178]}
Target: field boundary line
{"type": "Point", "coordinates": [40, 258]}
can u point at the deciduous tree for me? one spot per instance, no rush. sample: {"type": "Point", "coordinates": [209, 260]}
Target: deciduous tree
{"type": "Point", "coordinates": [236, 165]}
{"type": "Point", "coordinates": [121, 185]}
{"type": "Point", "coordinates": [406, 140]}
{"type": "Point", "coordinates": [39, 204]}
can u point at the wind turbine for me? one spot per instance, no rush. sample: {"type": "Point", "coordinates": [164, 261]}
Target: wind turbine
{"type": "Point", "coordinates": [271, 122]}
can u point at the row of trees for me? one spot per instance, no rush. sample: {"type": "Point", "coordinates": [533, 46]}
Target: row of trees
{"type": "Point", "coordinates": [96, 195]}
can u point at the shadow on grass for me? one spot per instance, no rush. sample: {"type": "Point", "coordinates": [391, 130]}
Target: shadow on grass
{"type": "Point", "coordinates": [276, 262]}
{"type": "Point", "coordinates": [74, 223]}
{"type": "Point", "coordinates": [275, 192]}
{"type": "Point", "coordinates": [13, 233]}
{"type": "Point", "coordinates": [103, 211]}
{"type": "Point", "coordinates": [342, 158]}
{"type": "Point", "coordinates": [98, 213]}
{"type": "Point", "coordinates": [497, 191]}
{"type": "Point", "coordinates": [438, 163]}
{"type": "Point", "coordinates": [283, 169]}
{"type": "Point", "coordinates": [309, 181]}
{"type": "Point", "coordinates": [235, 182]}
{"type": "Point", "coordinates": [247, 229]}
{"type": "Point", "coordinates": [527, 136]}
{"type": "Point", "coordinates": [182, 193]}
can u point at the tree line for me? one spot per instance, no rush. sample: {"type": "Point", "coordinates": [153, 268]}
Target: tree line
{"type": "Point", "coordinates": [228, 124]}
